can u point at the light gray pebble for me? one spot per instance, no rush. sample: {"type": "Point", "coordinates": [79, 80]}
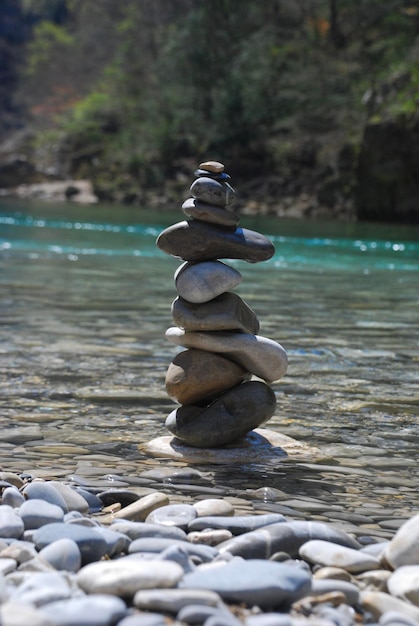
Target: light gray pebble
{"type": "Point", "coordinates": [124, 577]}
{"type": "Point", "coordinates": [144, 619]}
{"type": "Point", "coordinates": [117, 543]}
{"type": "Point", "coordinates": [74, 500]}
{"type": "Point", "coordinates": [173, 600]}
{"type": "Point", "coordinates": [138, 530]}
{"type": "Point", "coordinates": [326, 553]}
{"type": "Point", "coordinates": [36, 513]}
{"type": "Point", "coordinates": [257, 582]}
{"type": "Point", "coordinates": [92, 610]}
{"type": "Point", "coordinates": [376, 549]}
{"type": "Point", "coordinates": [178, 554]}
{"type": "Point", "coordinates": [41, 490]}
{"type": "Point", "coordinates": [7, 565]}
{"type": "Point", "coordinates": [213, 507]}
{"type": "Point", "coordinates": [157, 545]}
{"type": "Point", "coordinates": [180, 515]}
{"type": "Point", "coordinates": [15, 614]}
{"type": "Point", "coordinates": [210, 537]}
{"type": "Point", "coordinates": [42, 588]}
{"type": "Point", "coordinates": [11, 524]}
{"type": "Point", "coordinates": [403, 549]}
{"type": "Point", "coordinates": [12, 497]}
{"type": "Point", "coordinates": [91, 544]}
{"type": "Point", "coordinates": [20, 551]}
{"type": "Point", "coordinates": [237, 524]}
{"type": "Point", "coordinates": [63, 554]}
{"type": "Point", "coordinates": [404, 583]}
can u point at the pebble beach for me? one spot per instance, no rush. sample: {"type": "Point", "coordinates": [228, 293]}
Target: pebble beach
{"type": "Point", "coordinates": [133, 554]}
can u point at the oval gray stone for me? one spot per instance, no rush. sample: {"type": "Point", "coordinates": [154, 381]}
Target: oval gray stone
{"type": "Point", "coordinates": [213, 507]}
{"type": "Point", "coordinates": [209, 213]}
{"type": "Point", "coordinates": [42, 588]}
{"type": "Point", "coordinates": [36, 513]}
{"type": "Point", "coordinates": [139, 530]}
{"type": "Point", "coordinates": [404, 583]}
{"type": "Point", "coordinates": [201, 282]}
{"type": "Point", "coordinates": [326, 553]}
{"type": "Point", "coordinates": [173, 600]}
{"type": "Point", "coordinates": [228, 418]}
{"type": "Point", "coordinates": [12, 497]}
{"type": "Point", "coordinates": [210, 191]}
{"type": "Point", "coordinates": [41, 490]}
{"type": "Point", "coordinates": [124, 577]}
{"type": "Point", "coordinates": [403, 549]}
{"type": "Point", "coordinates": [93, 610]}
{"type": "Point", "coordinates": [238, 524]}
{"type": "Point", "coordinates": [284, 537]}
{"type": "Point", "coordinates": [197, 375]}
{"type": "Point", "coordinates": [256, 582]}
{"type": "Point", "coordinates": [63, 554]}
{"type": "Point", "coordinates": [199, 241]}
{"type": "Point", "coordinates": [225, 312]}
{"type": "Point", "coordinates": [179, 515]}
{"type": "Point", "coordinates": [91, 544]}
{"type": "Point", "coordinates": [158, 545]}
{"type": "Point", "coordinates": [259, 355]}
{"type": "Point", "coordinates": [11, 524]}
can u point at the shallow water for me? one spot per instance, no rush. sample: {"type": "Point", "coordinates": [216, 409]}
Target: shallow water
{"type": "Point", "coordinates": [85, 301]}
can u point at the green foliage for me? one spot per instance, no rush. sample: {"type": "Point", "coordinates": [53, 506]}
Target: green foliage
{"type": "Point", "coordinates": [49, 39]}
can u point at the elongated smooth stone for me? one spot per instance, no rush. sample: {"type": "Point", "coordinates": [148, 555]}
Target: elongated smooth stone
{"type": "Point", "coordinates": [195, 375]}
{"type": "Point", "coordinates": [200, 282]}
{"type": "Point", "coordinates": [195, 240]}
{"type": "Point", "coordinates": [209, 213]}
{"type": "Point", "coordinates": [228, 418]}
{"type": "Point", "coordinates": [226, 312]}
{"type": "Point", "coordinates": [259, 355]}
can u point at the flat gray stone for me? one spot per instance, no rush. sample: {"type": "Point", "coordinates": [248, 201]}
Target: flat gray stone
{"type": "Point", "coordinates": [211, 191]}
{"type": "Point", "coordinates": [259, 355]}
{"type": "Point", "coordinates": [325, 553]}
{"type": "Point", "coordinates": [139, 530]}
{"type": "Point", "coordinates": [225, 312]}
{"type": "Point", "coordinates": [256, 582]}
{"type": "Point", "coordinates": [197, 375]}
{"type": "Point", "coordinates": [284, 537]}
{"type": "Point", "coordinates": [226, 419]}
{"type": "Point", "coordinates": [173, 600]}
{"type": "Point", "coordinates": [199, 241]}
{"type": "Point", "coordinates": [124, 577]}
{"type": "Point", "coordinates": [201, 282]}
{"type": "Point", "coordinates": [259, 446]}
{"type": "Point", "coordinates": [209, 213]}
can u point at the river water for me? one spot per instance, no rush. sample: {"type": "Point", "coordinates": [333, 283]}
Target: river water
{"type": "Point", "coordinates": [85, 301]}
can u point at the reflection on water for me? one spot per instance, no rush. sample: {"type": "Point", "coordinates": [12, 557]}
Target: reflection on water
{"type": "Point", "coordinates": [85, 301]}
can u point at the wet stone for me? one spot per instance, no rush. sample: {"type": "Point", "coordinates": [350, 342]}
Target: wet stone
{"type": "Point", "coordinates": [209, 190]}
{"type": "Point", "coordinates": [225, 312]}
{"type": "Point", "coordinates": [229, 417]}
{"type": "Point", "coordinates": [196, 375]}
{"type": "Point", "coordinates": [210, 213]}
{"type": "Point", "coordinates": [180, 515]}
{"type": "Point", "coordinates": [201, 282]}
{"type": "Point", "coordinates": [259, 355]}
{"type": "Point", "coordinates": [199, 241]}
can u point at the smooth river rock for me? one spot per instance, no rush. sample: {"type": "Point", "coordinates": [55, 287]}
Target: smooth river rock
{"type": "Point", "coordinates": [403, 549]}
{"type": "Point", "coordinates": [326, 553]}
{"type": "Point", "coordinates": [209, 190]}
{"type": "Point", "coordinates": [200, 282]}
{"type": "Point", "coordinates": [256, 582]}
{"type": "Point", "coordinates": [195, 240]}
{"type": "Point", "coordinates": [404, 583]}
{"type": "Point", "coordinates": [258, 355]}
{"type": "Point", "coordinates": [209, 213]}
{"type": "Point", "coordinates": [197, 375]}
{"type": "Point", "coordinates": [225, 312]}
{"type": "Point", "coordinates": [228, 418]}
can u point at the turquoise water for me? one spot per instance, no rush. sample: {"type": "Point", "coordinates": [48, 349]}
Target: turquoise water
{"type": "Point", "coordinates": [85, 300]}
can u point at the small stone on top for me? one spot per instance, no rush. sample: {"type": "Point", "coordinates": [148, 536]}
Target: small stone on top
{"type": "Point", "coordinates": [212, 166]}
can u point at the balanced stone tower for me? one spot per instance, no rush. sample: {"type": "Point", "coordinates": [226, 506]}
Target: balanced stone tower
{"type": "Point", "coordinates": [221, 380]}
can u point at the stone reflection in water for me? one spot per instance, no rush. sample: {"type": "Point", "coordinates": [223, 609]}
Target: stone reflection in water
{"type": "Point", "coordinates": [83, 364]}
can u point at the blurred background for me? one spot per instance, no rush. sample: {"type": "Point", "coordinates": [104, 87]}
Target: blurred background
{"type": "Point", "coordinates": [311, 104]}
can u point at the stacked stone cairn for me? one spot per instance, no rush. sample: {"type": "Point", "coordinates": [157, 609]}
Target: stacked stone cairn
{"type": "Point", "coordinates": [222, 378]}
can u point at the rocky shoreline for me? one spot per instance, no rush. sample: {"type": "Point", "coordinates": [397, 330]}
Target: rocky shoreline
{"type": "Point", "coordinates": [134, 554]}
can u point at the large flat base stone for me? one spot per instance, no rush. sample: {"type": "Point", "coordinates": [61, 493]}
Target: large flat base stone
{"type": "Point", "coordinates": [258, 446]}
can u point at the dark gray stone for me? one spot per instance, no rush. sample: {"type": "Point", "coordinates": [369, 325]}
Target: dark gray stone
{"type": "Point", "coordinates": [209, 213]}
{"type": "Point", "coordinates": [91, 544]}
{"type": "Point", "coordinates": [228, 418]}
{"type": "Point", "coordinates": [226, 312]}
{"type": "Point", "coordinates": [199, 241]}
{"type": "Point", "coordinates": [284, 537]}
{"type": "Point", "coordinates": [211, 191]}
